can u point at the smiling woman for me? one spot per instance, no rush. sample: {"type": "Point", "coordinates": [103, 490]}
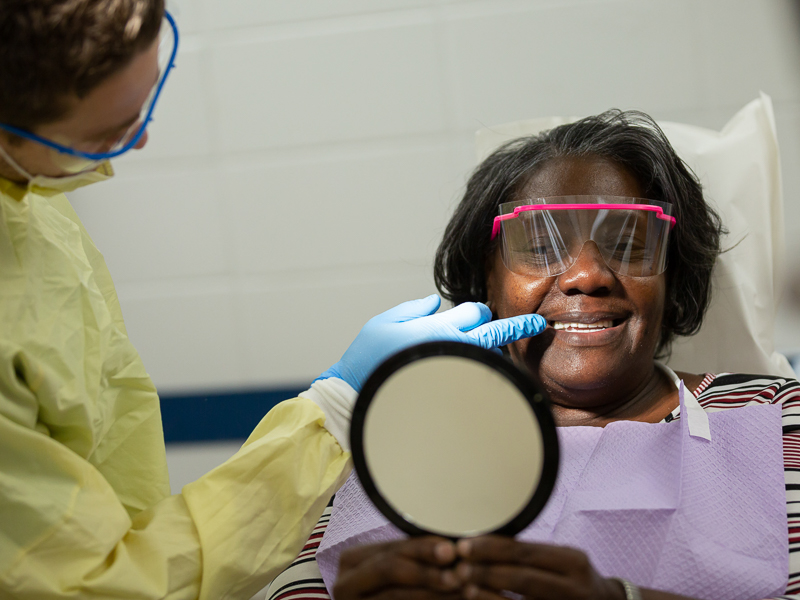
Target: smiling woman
{"type": "Point", "coordinates": [629, 140]}
{"type": "Point", "coordinates": [677, 482]}
{"type": "Point", "coordinates": [576, 363]}
{"type": "Point", "coordinates": [614, 154]}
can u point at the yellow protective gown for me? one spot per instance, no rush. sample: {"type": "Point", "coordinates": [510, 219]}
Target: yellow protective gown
{"type": "Point", "coordinates": [85, 509]}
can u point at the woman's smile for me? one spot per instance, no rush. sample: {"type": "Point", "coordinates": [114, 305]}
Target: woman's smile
{"type": "Point", "coordinates": [598, 333]}
{"type": "Point", "coordinates": [582, 327]}
{"type": "Point", "coordinates": [586, 328]}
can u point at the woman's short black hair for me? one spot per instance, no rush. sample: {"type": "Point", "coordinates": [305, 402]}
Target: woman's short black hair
{"type": "Point", "coordinates": [634, 141]}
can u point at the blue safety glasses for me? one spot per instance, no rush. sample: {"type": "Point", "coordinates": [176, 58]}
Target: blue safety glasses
{"type": "Point", "coordinates": [167, 50]}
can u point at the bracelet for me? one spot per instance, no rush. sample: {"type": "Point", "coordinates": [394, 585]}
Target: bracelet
{"type": "Point", "coordinates": [631, 591]}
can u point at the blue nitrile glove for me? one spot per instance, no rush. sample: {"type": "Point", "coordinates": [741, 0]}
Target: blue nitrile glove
{"type": "Point", "coordinates": [414, 322]}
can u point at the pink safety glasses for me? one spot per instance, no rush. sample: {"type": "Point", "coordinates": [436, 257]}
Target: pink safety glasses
{"type": "Point", "coordinates": [543, 237]}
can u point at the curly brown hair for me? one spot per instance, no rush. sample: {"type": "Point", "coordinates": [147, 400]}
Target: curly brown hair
{"type": "Point", "coordinates": [54, 50]}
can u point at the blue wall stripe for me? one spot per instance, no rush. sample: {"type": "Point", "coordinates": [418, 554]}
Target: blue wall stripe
{"type": "Point", "coordinates": [220, 416]}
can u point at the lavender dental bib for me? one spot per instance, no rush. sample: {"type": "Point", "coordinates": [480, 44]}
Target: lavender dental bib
{"type": "Point", "coordinates": [657, 504]}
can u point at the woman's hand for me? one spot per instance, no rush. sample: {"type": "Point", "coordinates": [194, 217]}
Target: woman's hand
{"type": "Point", "coordinates": [491, 565]}
{"type": "Point", "coordinates": [414, 569]}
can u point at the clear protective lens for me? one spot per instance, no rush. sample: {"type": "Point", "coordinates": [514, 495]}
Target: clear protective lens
{"type": "Point", "coordinates": [543, 238]}
{"type": "Point", "coordinates": [166, 51]}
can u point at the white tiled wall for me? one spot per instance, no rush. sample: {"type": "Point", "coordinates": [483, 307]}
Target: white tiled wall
{"type": "Point", "coordinates": [306, 154]}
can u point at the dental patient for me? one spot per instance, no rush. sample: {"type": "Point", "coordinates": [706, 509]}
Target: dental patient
{"type": "Point", "coordinates": [671, 485]}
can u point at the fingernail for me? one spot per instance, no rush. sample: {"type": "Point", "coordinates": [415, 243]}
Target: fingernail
{"type": "Point", "coordinates": [445, 552]}
{"type": "Point", "coordinates": [471, 591]}
{"type": "Point", "coordinates": [464, 547]}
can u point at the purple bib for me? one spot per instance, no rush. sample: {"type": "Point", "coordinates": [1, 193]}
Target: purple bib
{"type": "Point", "coordinates": [654, 503]}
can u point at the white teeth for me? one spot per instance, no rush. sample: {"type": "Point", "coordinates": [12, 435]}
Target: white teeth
{"type": "Point", "coordinates": [583, 326]}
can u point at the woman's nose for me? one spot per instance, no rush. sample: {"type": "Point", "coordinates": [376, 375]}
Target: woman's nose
{"type": "Point", "coordinates": [589, 274]}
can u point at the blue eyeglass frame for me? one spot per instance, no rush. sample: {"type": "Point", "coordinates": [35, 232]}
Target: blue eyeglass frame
{"type": "Point", "coordinates": [99, 156]}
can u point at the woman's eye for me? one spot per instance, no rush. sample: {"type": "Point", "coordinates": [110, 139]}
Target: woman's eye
{"type": "Point", "coordinates": [539, 245]}
{"type": "Point", "coordinates": [542, 250]}
{"type": "Point", "coordinates": [539, 254]}
{"type": "Point", "coordinates": [629, 253]}
{"type": "Point", "coordinates": [623, 244]}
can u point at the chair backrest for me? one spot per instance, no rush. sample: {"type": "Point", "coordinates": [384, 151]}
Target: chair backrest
{"type": "Point", "coordinates": [739, 168]}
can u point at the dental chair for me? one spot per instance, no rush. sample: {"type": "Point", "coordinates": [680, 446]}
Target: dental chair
{"type": "Point", "coordinates": [739, 168]}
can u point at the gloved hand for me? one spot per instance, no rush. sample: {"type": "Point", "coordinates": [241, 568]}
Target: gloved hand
{"type": "Point", "coordinates": [414, 322]}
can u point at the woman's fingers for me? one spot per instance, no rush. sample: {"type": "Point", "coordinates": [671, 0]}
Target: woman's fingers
{"type": "Point", "coordinates": [428, 549]}
{"type": "Point", "coordinates": [473, 592]}
{"type": "Point", "coordinates": [492, 549]}
{"type": "Point", "coordinates": [418, 564]}
{"type": "Point", "coordinates": [385, 575]}
{"type": "Point", "coordinates": [544, 571]}
{"type": "Point", "coordinates": [524, 580]}
{"type": "Point", "coordinates": [382, 572]}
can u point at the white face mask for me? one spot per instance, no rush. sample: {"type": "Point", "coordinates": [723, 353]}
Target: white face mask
{"type": "Point", "coordinates": [66, 183]}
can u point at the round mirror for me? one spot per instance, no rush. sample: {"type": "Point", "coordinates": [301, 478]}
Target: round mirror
{"type": "Point", "coordinates": [453, 440]}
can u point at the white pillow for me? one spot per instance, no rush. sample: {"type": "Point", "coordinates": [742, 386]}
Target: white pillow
{"type": "Point", "coordinates": [739, 168]}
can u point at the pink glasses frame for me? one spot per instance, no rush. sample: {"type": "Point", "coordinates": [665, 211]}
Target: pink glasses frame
{"type": "Point", "coordinates": [649, 207]}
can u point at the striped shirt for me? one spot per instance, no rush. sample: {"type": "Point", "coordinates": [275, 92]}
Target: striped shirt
{"type": "Point", "coordinates": [302, 579]}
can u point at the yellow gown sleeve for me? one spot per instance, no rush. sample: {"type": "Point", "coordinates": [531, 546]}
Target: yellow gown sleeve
{"type": "Point", "coordinates": [85, 510]}
{"type": "Point", "coordinates": [65, 533]}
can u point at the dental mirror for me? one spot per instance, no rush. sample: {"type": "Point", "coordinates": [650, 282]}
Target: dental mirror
{"type": "Point", "coordinates": [453, 440]}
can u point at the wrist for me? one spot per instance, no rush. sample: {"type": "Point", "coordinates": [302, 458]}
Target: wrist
{"type": "Point", "coordinates": [336, 399]}
{"type": "Point", "coordinates": [342, 371]}
{"type": "Point", "coordinates": [331, 372]}
{"type": "Point", "coordinates": [629, 590]}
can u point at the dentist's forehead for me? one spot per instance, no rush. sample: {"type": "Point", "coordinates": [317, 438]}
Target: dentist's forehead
{"type": "Point", "coordinates": [581, 176]}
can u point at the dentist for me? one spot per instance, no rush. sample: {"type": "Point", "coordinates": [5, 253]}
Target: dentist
{"type": "Point", "coordinates": [85, 509]}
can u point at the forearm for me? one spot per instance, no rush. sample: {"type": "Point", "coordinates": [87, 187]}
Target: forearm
{"type": "Point", "coordinates": [64, 532]}
{"type": "Point", "coordinates": [255, 512]}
